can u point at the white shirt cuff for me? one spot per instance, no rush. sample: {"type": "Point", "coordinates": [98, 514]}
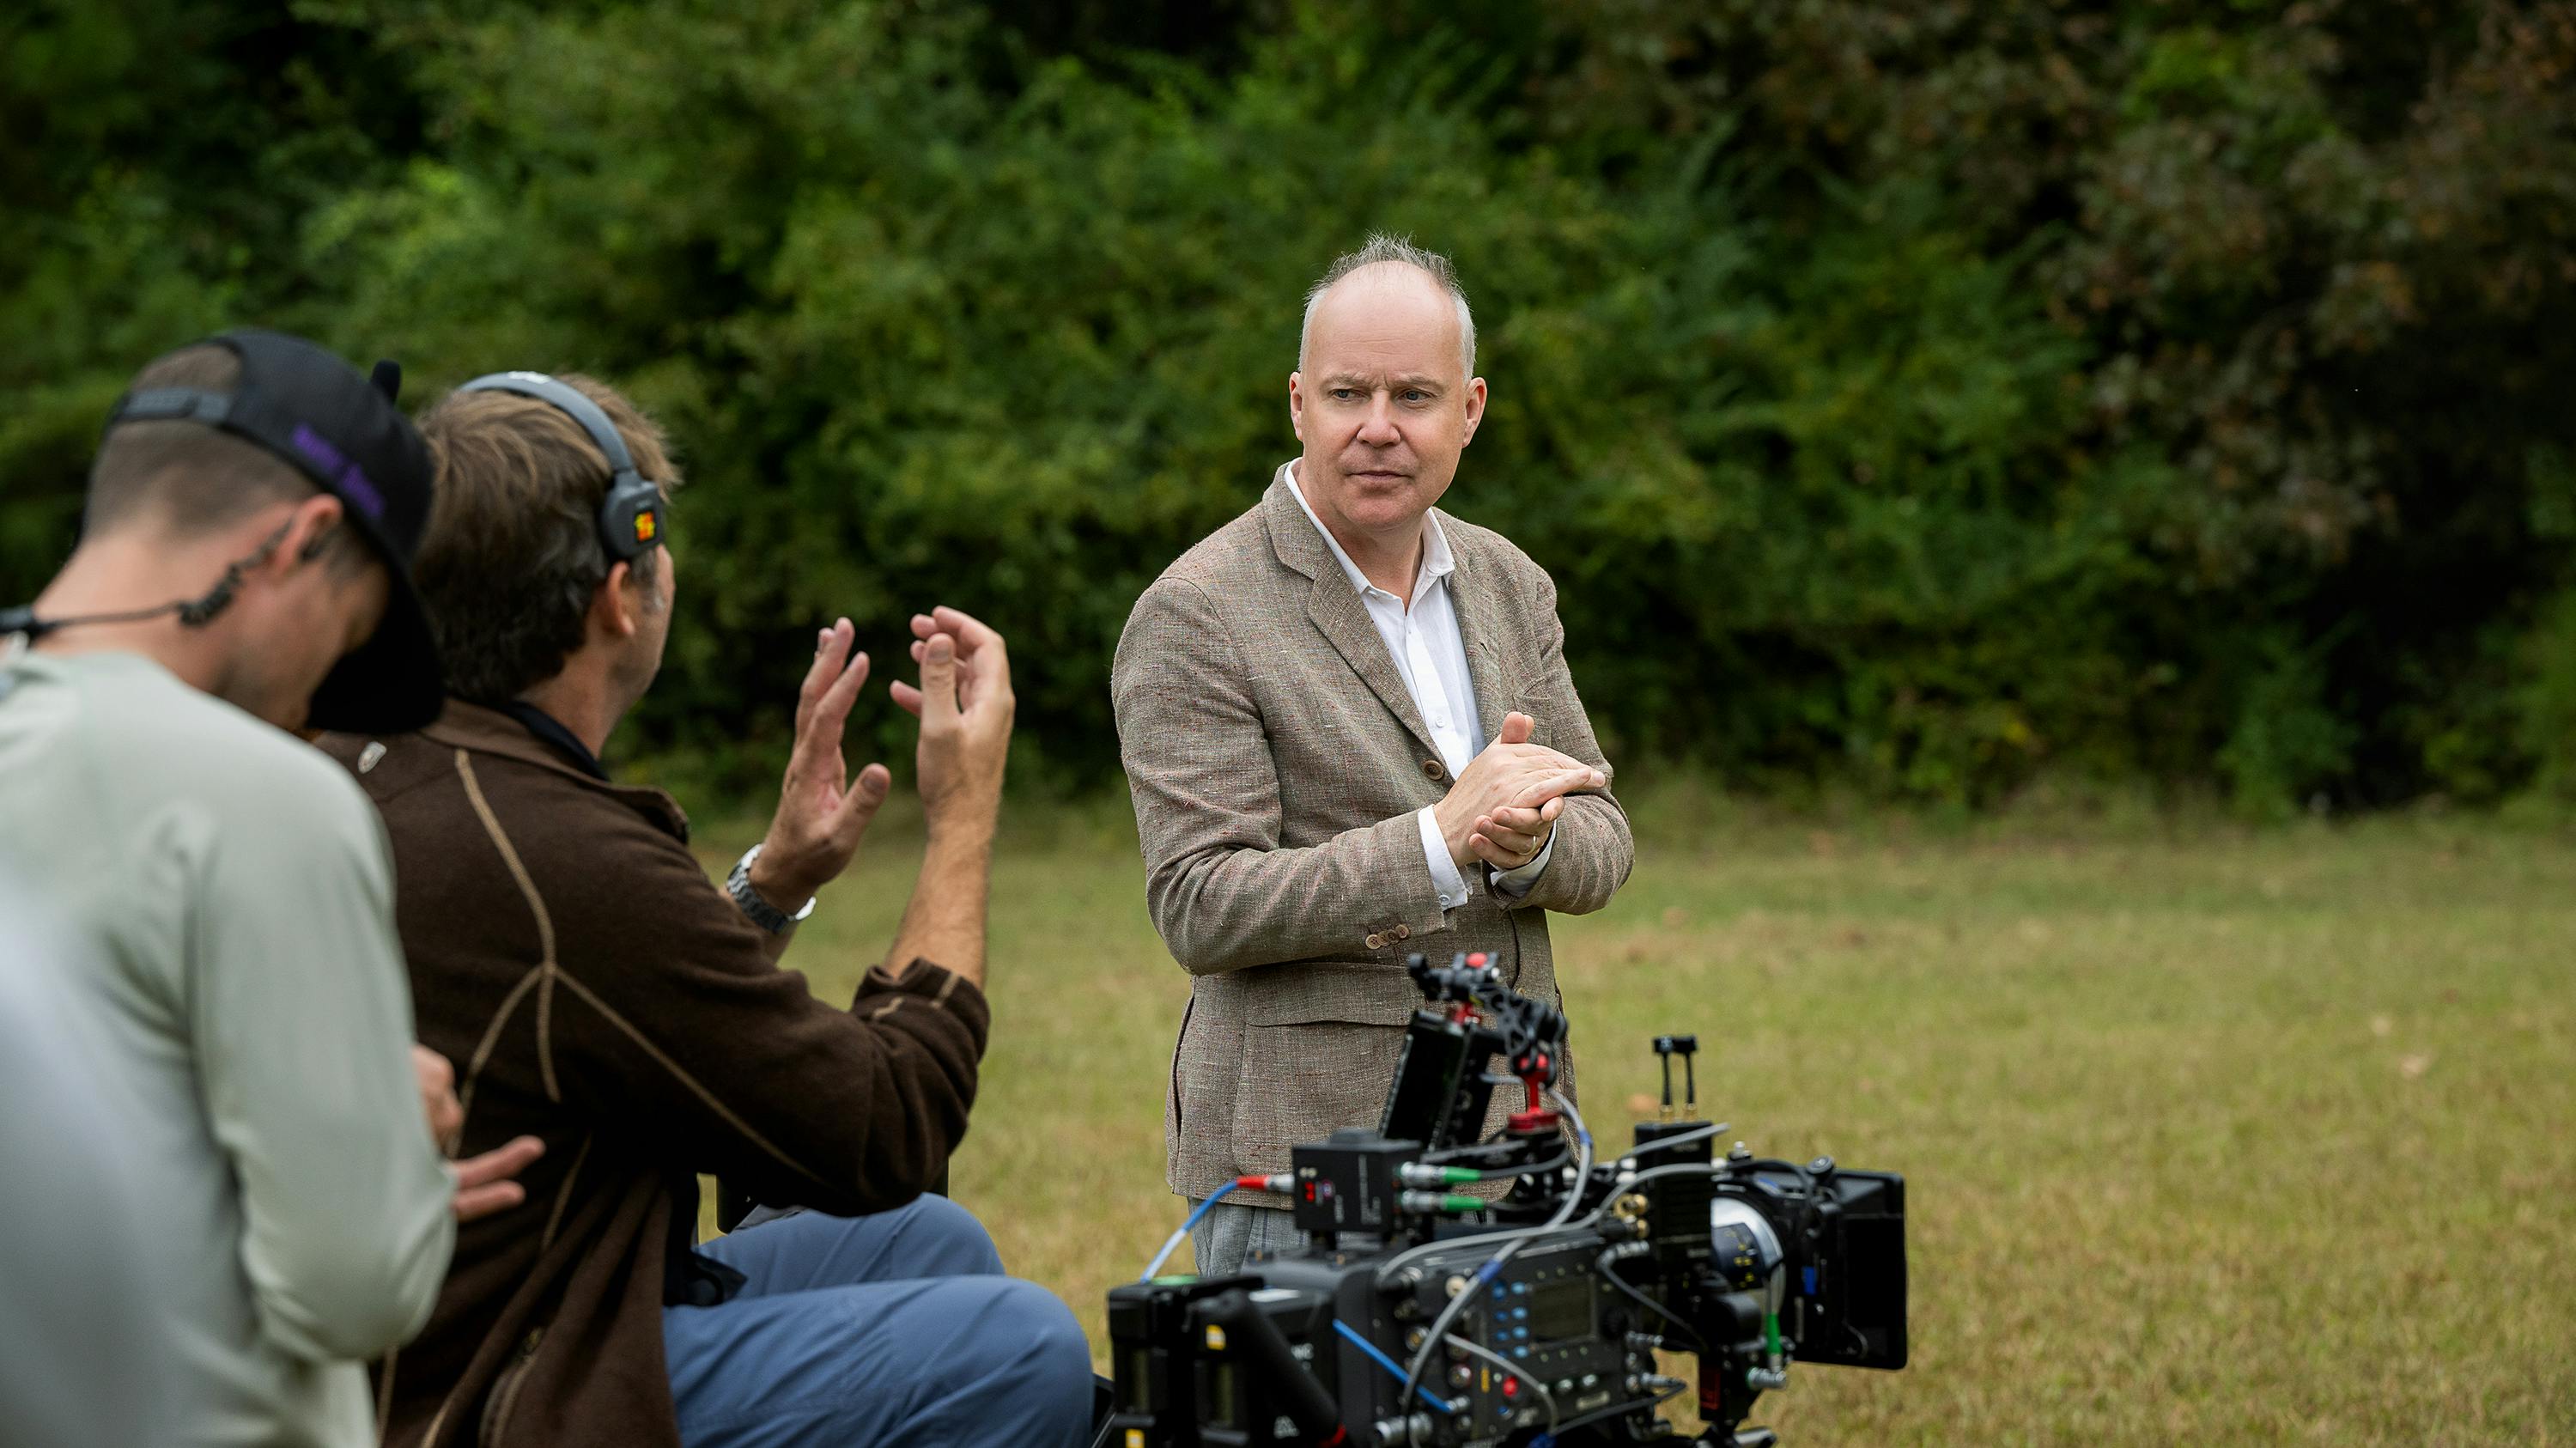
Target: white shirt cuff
{"type": "Point", "coordinates": [1445, 879]}
{"type": "Point", "coordinates": [1516, 881]}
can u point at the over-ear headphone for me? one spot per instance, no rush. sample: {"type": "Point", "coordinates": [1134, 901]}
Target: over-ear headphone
{"type": "Point", "coordinates": [630, 517]}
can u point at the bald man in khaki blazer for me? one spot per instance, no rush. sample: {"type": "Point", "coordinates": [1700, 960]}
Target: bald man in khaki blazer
{"type": "Point", "coordinates": [1350, 734]}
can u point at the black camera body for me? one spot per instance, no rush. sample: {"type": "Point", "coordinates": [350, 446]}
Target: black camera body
{"type": "Point", "coordinates": [1425, 1310]}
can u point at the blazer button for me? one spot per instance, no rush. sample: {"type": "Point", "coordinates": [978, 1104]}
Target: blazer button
{"type": "Point", "coordinates": [1431, 768]}
{"type": "Point", "coordinates": [1404, 932]}
{"type": "Point", "coordinates": [1376, 942]}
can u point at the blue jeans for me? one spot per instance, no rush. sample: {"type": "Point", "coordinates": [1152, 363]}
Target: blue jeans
{"type": "Point", "coordinates": [893, 1329]}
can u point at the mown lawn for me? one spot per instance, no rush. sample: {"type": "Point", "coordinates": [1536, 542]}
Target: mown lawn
{"type": "Point", "coordinates": [2211, 1135]}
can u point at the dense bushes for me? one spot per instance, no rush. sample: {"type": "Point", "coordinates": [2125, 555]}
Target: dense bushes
{"type": "Point", "coordinates": [1918, 397]}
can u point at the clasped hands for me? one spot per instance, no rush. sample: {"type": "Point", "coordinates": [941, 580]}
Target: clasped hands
{"type": "Point", "coordinates": [1504, 806]}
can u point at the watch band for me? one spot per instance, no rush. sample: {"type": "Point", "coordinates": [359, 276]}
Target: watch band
{"type": "Point", "coordinates": [758, 910]}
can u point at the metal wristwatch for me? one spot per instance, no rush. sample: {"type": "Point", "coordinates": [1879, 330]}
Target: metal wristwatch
{"type": "Point", "coordinates": [763, 914]}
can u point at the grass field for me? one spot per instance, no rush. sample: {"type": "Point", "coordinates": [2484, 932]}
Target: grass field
{"type": "Point", "coordinates": [2211, 1136]}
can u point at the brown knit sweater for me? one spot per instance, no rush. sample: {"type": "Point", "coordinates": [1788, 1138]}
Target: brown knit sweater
{"type": "Point", "coordinates": [593, 988]}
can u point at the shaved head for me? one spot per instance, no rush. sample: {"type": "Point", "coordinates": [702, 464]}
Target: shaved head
{"type": "Point", "coordinates": [1396, 258]}
{"type": "Point", "coordinates": [1388, 312]}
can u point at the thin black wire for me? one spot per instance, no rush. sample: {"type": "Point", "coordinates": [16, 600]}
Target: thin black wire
{"type": "Point", "coordinates": [1611, 1273]}
{"type": "Point", "coordinates": [193, 612]}
{"type": "Point", "coordinates": [1506, 1173]}
{"type": "Point", "coordinates": [1617, 1409]}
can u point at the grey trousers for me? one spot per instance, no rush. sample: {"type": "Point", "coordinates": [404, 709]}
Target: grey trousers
{"type": "Point", "coordinates": [1229, 1234]}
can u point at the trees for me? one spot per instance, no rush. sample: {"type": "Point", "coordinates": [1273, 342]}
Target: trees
{"type": "Point", "coordinates": [1921, 396]}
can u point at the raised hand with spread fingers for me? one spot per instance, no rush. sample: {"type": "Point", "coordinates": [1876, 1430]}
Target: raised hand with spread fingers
{"type": "Point", "coordinates": [822, 812]}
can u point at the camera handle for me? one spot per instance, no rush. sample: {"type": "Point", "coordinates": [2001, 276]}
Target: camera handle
{"type": "Point", "coordinates": [1231, 1314]}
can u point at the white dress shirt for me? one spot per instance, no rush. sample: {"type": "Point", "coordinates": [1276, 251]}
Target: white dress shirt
{"type": "Point", "coordinates": [1431, 655]}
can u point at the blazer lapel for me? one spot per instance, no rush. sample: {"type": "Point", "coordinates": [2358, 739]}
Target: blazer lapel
{"type": "Point", "coordinates": [1478, 609]}
{"type": "Point", "coordinates": [1336, 609]}
{"type": "Point", "coordinates": [1338, 612]}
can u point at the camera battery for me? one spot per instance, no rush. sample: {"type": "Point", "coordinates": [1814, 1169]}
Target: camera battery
{"type": "Point", "coordinates": [1152, 1352]}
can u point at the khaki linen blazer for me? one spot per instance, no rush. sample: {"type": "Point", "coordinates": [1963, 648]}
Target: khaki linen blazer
{"type": "Point", "coordinates": [1277, 765]}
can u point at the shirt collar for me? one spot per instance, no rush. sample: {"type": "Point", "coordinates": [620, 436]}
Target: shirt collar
{"type": "Point", "coordinates": [485, 729]}
{"type": "Point", "coordinates": [1437, 561]}
{"type": "Point", "coordinates": [550, 729]}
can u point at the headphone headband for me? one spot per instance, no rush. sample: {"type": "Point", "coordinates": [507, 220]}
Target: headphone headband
{"type": "Point", "coordinates": [630, 517]}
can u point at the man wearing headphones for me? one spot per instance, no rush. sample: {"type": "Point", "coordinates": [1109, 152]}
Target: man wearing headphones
{"type": "Point", "coordinates": [598, 992]}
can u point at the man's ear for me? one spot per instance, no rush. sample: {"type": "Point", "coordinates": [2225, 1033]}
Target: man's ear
{"type": "Point", "coordinates": [1297, 405]}
{"type": "Point", "coordinates": [1475, 408]}
{"type": "Point", "coordinates": [310, 531]}
{"type": "Point", "coordinates": [617, 605]}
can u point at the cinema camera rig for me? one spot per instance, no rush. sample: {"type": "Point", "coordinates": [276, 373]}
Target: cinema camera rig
{"type": "Point", "coordinates": [1424, 1309]}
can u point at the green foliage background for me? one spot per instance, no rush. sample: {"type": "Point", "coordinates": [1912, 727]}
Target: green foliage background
{"type": "Point", "coordinates": [1919, 398]}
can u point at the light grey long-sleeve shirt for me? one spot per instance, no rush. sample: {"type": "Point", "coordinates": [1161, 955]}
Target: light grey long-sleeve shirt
{"type": "Point", "coordinates": [84, 1359]}
{"type": "Point", "coordinates": [235, 889]}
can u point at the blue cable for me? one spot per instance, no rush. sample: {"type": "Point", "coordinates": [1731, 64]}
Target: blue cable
{"type": "Point", "coordinates": [1344, 1328]}
{"type": "Point", "coordinates": [1173, 1242]}
{"type": "Point", "coordinates": [1388, 1363]}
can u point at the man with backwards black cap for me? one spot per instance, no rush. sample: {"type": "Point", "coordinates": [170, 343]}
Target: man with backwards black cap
{"type": "Point", "coordinates": [243, 571]}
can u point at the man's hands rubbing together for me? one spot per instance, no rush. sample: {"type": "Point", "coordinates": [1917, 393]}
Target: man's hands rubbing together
{"type": "Point", "coordinates": [1505, 803]}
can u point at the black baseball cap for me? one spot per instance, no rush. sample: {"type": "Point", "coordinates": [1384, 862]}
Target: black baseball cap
{"type": "Point", "coordinates": [302, 403]}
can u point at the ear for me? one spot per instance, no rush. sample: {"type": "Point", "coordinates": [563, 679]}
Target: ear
{"type": "Point", "coordinates": [617, 605]}
{"type": "Point", "coordinates": [310, 529]}
{"type": "Point", "coordinates": [1475, 408]}
{"type": "Point", "coordinates": [1297, 405]}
